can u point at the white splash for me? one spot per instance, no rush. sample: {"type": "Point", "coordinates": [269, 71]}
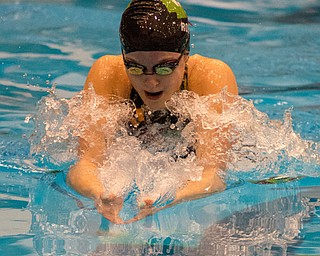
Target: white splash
{"type": "Point", "coordinates": [258, 145]}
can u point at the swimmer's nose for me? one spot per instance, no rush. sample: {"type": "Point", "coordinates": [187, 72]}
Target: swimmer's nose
{"type": "Point", "coordinates": [151, 73]}
{"type": "Point", "coordinates": [151, 81]}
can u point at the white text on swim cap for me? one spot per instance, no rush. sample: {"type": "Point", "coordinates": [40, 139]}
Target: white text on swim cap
{"type": "Point", "coordinates": [184, 27]}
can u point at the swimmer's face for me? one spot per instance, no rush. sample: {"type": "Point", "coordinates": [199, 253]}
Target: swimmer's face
{"type": "Point", "coordinates": [155, 89]}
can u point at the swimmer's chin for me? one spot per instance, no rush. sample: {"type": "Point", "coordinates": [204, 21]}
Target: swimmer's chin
{"type": "Point", "coordinates": [155, 105]}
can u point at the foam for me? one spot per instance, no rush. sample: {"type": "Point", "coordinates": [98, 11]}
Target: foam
{"type": "Point", "coordinates": [150, 163]}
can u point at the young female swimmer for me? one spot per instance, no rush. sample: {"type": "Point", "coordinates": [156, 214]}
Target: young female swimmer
{"type": "Point", "coordinates": [154, 64]}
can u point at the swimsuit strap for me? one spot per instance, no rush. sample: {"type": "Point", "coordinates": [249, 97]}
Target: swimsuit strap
{"type": "Point", "coordinates": [135, 97]}
{"type": "Point", "coordinates": [184, 84]}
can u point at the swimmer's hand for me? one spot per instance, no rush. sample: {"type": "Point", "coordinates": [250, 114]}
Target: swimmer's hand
{"type": "Point", "coordinates": [110, 207]}
{"type": "Point", "coordinates": [210, 183]}
{"type": "Point", "coordinates": [147, 208]}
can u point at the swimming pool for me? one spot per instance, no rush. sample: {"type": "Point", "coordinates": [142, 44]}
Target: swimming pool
{"type": "Point", "coordinates": [272, 48]}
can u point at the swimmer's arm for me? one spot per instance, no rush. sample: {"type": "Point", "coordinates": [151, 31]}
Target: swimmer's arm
{"type": "Point", "coordinates": [83, 177]}
{"type": "Point", "coordinates": [213, 76]}
{"type": "Point", "coordinates": [106, 73]}
{"type": "Point", "coordinates": [210, 183]}
{"type": "Point", "coordinates": [213, 157]}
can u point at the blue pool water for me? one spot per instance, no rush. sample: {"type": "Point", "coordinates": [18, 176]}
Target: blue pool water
{"type": "Point", "coordinates": [273, 48]}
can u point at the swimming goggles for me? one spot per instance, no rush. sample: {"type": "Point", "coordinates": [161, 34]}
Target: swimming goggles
{"type": "Point", "coordinates": [162, 69]}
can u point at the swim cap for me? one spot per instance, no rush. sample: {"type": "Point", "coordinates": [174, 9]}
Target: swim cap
{"type": "Point", "coordinates": [154, 25]}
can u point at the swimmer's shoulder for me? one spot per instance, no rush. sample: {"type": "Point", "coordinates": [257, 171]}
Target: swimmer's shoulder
{"type": "Point", "coordinates": [108, 77]}
{"type": "Point", "coordinates": [210, 76]}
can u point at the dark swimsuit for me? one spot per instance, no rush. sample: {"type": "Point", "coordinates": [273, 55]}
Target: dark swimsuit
{"type": "Point", "coordinates": [138, 124]}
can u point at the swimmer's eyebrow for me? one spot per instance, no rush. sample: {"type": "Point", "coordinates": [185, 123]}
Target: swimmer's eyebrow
{"type": "Point", "coordinates": [131, 60]}
{"type": "Point", "coordinates": [169, 59]}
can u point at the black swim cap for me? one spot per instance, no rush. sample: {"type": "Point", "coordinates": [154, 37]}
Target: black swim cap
{"type": "Point", "coordinates": [154, 25]}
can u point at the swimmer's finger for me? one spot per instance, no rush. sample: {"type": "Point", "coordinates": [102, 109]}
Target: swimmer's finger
{"type": "Point", "coordinates": [164, 200]}
{"type": "Point", "coordinates": [111, 215]}
{"type": "Point", "coordinates": [110, 208]}
{"type": "Point", "coordinates": [108, 197]}
{"type": "Point", "coordinates": [147, 203]}
{"type": "Point", "coordinates": [143, 214]}
{"type": "Point", "coordinates": [147, 211]}
{"type": "Point", "coordinates": [160, 202]}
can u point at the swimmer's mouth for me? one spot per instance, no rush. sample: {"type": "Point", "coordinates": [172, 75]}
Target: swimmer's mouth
{"type": "Point", "coordinates": [154, 95]}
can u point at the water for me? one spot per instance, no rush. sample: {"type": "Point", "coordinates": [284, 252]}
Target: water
{"type": "Point", "coordinates": [272, 48]}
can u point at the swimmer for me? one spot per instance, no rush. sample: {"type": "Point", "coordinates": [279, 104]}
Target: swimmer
{"type": "Point", "coordinates": [153, 65]}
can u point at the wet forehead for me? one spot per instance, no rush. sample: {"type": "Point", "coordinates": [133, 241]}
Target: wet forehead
{"type": "Point", "coordinates": [151, 57]}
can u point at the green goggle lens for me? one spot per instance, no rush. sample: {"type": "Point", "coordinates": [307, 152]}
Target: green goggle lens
{"type": "Point", "coordinates": [164, 71]}
{"type": "Point", "coordinates": [161, 70]}
{"type": "Point", "coordinates": [135, 71]}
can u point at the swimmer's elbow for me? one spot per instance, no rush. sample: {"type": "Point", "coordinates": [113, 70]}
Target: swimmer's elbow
{"type": "Point", "coordinates": [82, 177]}
{"type": "Point", "coordinates": [72, 177]}
{"type": "Point", "coordinates": [212, 181]}
{"type": "Point", "coordinates": [216, 187]}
